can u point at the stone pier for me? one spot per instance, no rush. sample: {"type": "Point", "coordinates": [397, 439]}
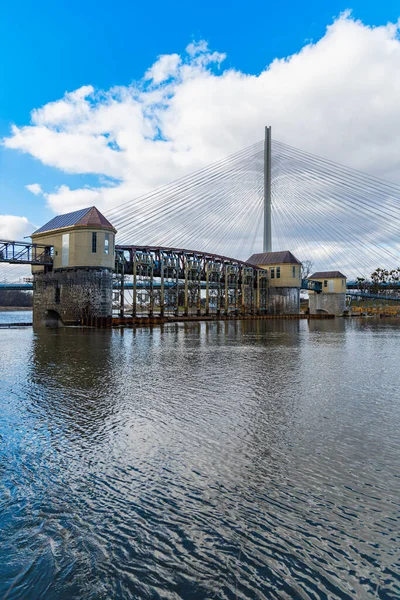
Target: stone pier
{"type": "Point", "coordinates": [332, 303]}
{"type": "Point", "coordinates": [72, 297]}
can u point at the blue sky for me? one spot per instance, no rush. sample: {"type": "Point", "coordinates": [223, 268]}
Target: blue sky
{"type": "Point", "coordinates": [49, 48]}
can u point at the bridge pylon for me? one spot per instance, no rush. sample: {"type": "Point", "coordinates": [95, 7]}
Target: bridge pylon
{"type": "Point", "coordinates": [267, 241]}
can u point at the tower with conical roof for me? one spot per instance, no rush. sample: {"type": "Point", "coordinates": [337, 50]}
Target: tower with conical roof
{"type": "Point", "coordinates": [77, 287]}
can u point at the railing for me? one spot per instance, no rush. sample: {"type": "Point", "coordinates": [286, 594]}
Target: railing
{"type": "Point", "coordinates": [366, 285]}
{"type": "Point", "coordinates": [362, 294]}
{"type": "Point", "coordinates": [311, 285]}
{"type": "Point", "coordinates": [25, 253]}
{"type": "Point", "coordinates": [230, 286]}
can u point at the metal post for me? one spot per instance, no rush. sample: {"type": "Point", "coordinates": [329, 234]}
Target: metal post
{"type": "Point", "coordinates": [177, 286]}
{"type": "Point", "coordinates": [258, 293]}
{"type": "Point", "coordinates": [199, 290]}
{"type": "Point", "coordinates": [252, 301]}
{"type": "Point", "coordinates": [219, 292]}
{"type": "Point", "coordinates": [162, 285]}
{"type": "Point", "coordinates": [134, 299]}
{"type": "Point", "coordinates": [226, 290]}
{"type": "Point", "coordinates": [243, 308]}
{"type": "Point", "coordinates": [186, 306]}
{"type": "Point", "coordinates": [122, 290]}
{"type": "Point", "coordinates": [267, 245]}
{"type": "Point", "coordinates": [207, 290]}
{"type": "Point", "coordinates": [236, 291]}
{"type": "Point", "coordinates": [151, 307]}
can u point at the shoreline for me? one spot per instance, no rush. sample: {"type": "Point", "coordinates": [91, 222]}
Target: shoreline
{"type": "Point", "coordinates": [15, 308]}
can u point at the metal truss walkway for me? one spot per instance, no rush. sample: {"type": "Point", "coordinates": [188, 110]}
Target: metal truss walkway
{"type": "Point", "coordinates": [25, 253]}
{"type": "Point", "coordinates": [171, 281]}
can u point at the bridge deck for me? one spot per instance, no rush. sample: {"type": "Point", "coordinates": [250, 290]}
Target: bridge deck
{"type": "Point", "coordinates": [25, 253]}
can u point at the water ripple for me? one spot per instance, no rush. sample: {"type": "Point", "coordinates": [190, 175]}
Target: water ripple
{"type": "Point", "coordinates": [221, 460]}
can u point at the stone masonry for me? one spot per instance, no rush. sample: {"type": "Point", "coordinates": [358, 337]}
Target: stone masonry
{"type": "Point", "coordinates": [284, 301]}
{"type": "Point", "coordinates": [72, 296]}
{"type": "Point", "coordinates": [333, 304]}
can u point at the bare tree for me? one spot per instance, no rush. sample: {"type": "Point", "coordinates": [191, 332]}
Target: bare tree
{"type": "Point", "coordinates": [307, 268]}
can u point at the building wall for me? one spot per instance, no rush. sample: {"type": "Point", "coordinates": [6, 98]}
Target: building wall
{"type": "Point", "coordinates": [336, 285]}
{"type": "Point", "coordinates": [80, 247]}
{"type": "Point", "coordinates": [73, 295]}
{"type": "Point", "coordinates": [333, 303]}
{"type": "Point", "coordinates": [286, 278]}
{"type": "Point", "coordinates": [283, 300]}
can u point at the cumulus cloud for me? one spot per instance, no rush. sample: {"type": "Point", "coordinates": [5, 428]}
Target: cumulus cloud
{"type": "Point", "coordinates": [338, 98]}
{"type": "Point", "coordinates": [14, 228]}
{"type": "Point", "coordinates": [35, 188]}
{"type": "Point", "coordinates": [165, 67]}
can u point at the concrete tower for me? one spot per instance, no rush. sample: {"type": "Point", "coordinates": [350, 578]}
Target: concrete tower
{"type": "Point", "coordinates": [77, 287]}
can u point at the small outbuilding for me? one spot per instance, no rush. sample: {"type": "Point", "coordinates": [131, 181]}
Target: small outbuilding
{"type": "Point", "coordinates": [333, 282]}
{"type": "Point", "coordinates": [332, 299]}
{"type": "Point", "coordinates": [284, 277]}
{"type": "Point", "coordinates": [76, 287]}
{"type": "Point", "coordinates": [83, 238]}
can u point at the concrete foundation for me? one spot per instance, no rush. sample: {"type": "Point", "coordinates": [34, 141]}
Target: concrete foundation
{"type": "Point", "coordinates": [333, 304]}
{"type": "Point", "coordinates": [284, 301]}
{"type": "Point", "coordinates": [72, 297]}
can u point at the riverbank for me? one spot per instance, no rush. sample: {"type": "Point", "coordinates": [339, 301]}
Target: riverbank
{"type": "Point", "coordinates": [15, 308]}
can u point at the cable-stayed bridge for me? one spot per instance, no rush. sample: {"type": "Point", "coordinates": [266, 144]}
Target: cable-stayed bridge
{"type": "Point", "coordinates": [324, 212]}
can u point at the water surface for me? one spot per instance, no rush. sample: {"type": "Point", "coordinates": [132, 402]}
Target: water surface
{"type": "Point", "coordinates": [15, 316]}
{"type": "Point", "coordinates": [215, 460]}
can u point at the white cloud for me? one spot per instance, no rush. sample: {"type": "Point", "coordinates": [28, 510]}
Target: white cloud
{"type": "Point", "coordinates": [338, 98]}
{"type": "Point", "coordinates": [35, 188]}
{"type": "Point", "coordinates": [14, 228]}
{"type": "Point", "coordinates": [165, 67]}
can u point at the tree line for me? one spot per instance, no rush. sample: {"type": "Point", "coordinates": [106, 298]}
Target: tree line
{"type": "Point", "coordinates": [379, 278]}
{"type": "Point", "coordinates": [15, 298]}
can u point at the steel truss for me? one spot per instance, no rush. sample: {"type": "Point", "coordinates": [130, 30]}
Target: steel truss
{"type": "Point", "coordinates": [178, 282]}
{"type": "Point", "coordinates": [25, 253]}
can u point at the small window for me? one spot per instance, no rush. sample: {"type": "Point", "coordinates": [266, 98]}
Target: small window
{"type": "Point", "coordinates": [325, 283]}
{"type": "Point", "coordinates": [342, 282]}
{"type": "Point", "coordinates": [65, 250]}
{"type": "Point", "coordinates": [278, 272]}
{"type": "Point", "coordinates": [94, 241]}
{"type": "Point", "coordinates": [106, 243]}
{"type": "Point", "coordinates": [57, 295]}
{"type": "Point", "coordinates": [294, 271]}
{"type": "Point", "coordinates": [272, 272]}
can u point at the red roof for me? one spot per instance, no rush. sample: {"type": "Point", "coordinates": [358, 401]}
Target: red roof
{"type": "Point", "coordinates": [327, 275]}
{"type": "Point", "coordinates": [274, 258]}
{"type": "Point", "coordinates": [86, 217]}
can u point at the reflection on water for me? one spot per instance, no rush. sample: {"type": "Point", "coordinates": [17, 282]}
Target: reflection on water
{"type": "Point", "coordinates": [201, 460]}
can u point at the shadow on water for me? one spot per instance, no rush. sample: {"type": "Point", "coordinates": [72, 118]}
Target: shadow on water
{"type": "Point", "coordinates": [197, 460]}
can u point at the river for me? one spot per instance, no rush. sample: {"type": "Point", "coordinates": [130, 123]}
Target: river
{"type": "Point", "coordinates": [255, 459]}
